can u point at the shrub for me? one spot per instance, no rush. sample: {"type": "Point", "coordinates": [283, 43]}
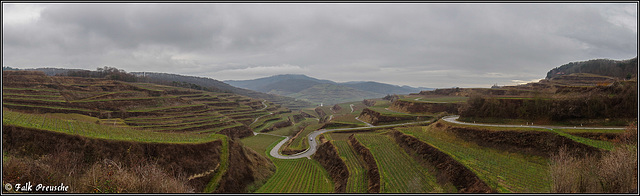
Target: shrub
{"type": "Point", "coordinates": [614, 172]}
{"type": "Point", "coordinates": [100, 177]}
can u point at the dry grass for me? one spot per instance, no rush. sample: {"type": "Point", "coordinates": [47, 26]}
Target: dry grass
{"type": "Point", "coordinates": [109, 177]}
{"type": "Point", "coordinates": [613, 172]}
{"type": "Point", "coordinates": [630, 135]}
{"type": "Point", "coordinates": [105, 176]}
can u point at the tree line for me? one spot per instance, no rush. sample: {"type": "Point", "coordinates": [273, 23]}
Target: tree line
{"type": "Point", "coordinates": [618, 101]}
{"type": "Point", "coordinates": [605, 67]}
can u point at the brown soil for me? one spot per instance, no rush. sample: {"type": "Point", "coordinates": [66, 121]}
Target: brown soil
{"type": "Point", "coordinates": [296, 118]}
{"type": "Point", "coordinates": [612, 137]}
{"type": "Point", "coordinates": [327, 155]}
{"type": "Point", "coordinates": [376, 118]}
{"type": "Point", "coordinates": [448, 169]}
{"type": "Point", "coordinates": [21, 72]}
{"type": "Point", "coordinates": [373, 174]}
{"type": "Point", "coordinates": [540, 143]}
{"type": "Point", "coordinates": [246, 167]}
{"type": "Point", "coordinates": [287, 150]}
{"type": "Point", "coordinates": [306, 115]}
{"type": "Point", "coordinates": [336, 108]}
{"type": "Point", "coordinates": [29, 109]}
{"type": "Point", "coordinates": [424, 107]}
{"type": "Point", "coordinates": [237, 132]}
{"type": "Point", "coordinates": [320, 112]}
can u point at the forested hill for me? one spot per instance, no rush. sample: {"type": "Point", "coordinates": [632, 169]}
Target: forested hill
{"type": "Point", "coordinates": [605, 67]}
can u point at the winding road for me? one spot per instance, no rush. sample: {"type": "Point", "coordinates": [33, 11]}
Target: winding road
{"type": "Point", "coordinates": [454, 119]}
{"type": "Point", "coordinates": [313, 145]}
{"type": "Point", "coordinates": [256, 120]}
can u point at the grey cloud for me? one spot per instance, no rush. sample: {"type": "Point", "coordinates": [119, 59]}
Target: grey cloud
{"type": "Point", "coordinates": [432, 45]}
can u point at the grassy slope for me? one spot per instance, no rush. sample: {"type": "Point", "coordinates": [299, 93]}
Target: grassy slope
{"type": "Point", "coordinates": [562, 132]}
{"type": "Point", "coordinates": [503, 171]}
{"type": "Point", "coordinates": [399, 172]}
{"type": "Point", "coordinates": [260, 143]}
{"type": "Point", "coordinates": [69, 125]}
{"type": "Point", "coordinates": [297, 176]}
{"type": "Point", "coordinates": [300, 142]}
{"type": "Point", "coordinates": [358, 181]}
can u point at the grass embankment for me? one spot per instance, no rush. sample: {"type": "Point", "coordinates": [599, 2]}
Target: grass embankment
{"type": "Point", "coordinates": [591, 142]}
{"type": "Point", "coordinates": [264, 122]}
{"type": "Point", "coordinates": [300, 142]}
{"type": "Point", "coordinates": [607, 145]}
{"type": "Point", "coordinates": [260, 143]}
{"type": "Point", "coordinates": [399, 172]}
{"type": "Point", "coordinates": [224, 165]}
{"type": "Point", "coordinates": [358, 181]}
{"type": "Point", "coordinates": [296, 176]}
{"type": "Point", "coordinates": [9, 95]}
{"type": "Point", "coordinates": [159, 109]}
{"type": "Point", "coordinates": [503, 171]}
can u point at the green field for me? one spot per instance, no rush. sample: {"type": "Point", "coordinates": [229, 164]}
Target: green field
{"type": "Point", "coordinates": [501, 170]}
{"type": "Point", "coordinates": [358, 106]}
{"type": "Point", "coordinates": [297, 176]}
{"type": "Point", "coordinates": [591, 142]}
{"type": "Point", "coordinates": [358, 180]}
{"type": "Point", "coordinates": [300, 142]}
{"type": "Point", "coordinates": [348, 118]}
{"type": "Point", "coordinates": [65, 124]}
{"type": "Point", "coordinates": [399, 172]}
{"type": "Point", "coordinates": [260, 143]}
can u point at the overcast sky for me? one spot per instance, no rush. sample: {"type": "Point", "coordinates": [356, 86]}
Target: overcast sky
{"type": "Point", "coordinates": [428, 45]}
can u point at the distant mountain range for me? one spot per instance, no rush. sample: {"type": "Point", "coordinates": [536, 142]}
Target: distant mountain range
{"type": "Point", "coordinates": [321, 91]}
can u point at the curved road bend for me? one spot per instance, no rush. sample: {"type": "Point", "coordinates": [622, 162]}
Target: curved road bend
{"type": "Point", "coordinates": [265, 105]}
{"type": "Point", "coordinates": [313, 145]}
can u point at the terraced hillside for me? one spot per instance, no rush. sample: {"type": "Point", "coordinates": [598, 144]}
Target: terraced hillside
{"type": "Point", "coordinates": [218, 86]}
{"type": "Point", "coordinates": [117, 122]}
{"type": "Point", "coordinates": [137, 105]}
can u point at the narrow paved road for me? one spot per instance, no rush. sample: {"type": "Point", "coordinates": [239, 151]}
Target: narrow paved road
{"type": "Point", "coordinates": [265, 105]}
{"type": "Point", "coordinates": [368, 124]}
{"type": "Point", "coordinates": [351, 105]}
{"type": "Point", "coordinates": [454, 119]}
{"type": "Point", "coordinates": [313, 145]}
